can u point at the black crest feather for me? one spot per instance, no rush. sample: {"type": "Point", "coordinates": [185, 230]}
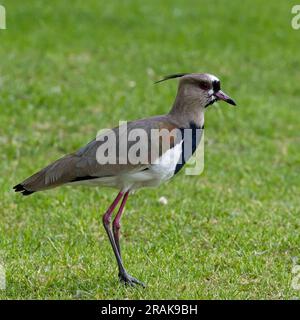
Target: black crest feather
{"type": "Point", "coordinates": [171, 76]}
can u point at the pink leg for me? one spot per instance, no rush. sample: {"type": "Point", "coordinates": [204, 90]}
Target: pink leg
{"type": "Point", "coordinates": [106, 223]}
{"type": "Point", "coordinates": [123, 275]}
{"type": "Point", "coordinates": [116, 223]}
{"type": "Point", "coordinates": [110, 210]}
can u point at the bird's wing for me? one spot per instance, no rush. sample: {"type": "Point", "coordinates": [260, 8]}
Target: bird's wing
{"type": "Point", "coordinates": [122, 141]}
{"type": "Point", "coordinates": [90, 161]}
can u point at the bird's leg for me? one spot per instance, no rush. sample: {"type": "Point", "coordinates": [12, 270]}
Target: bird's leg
{"type": "Point", "coordinates": [106, 223]}
{"type": "Point", "coordinates": [116, 222]}
{"type": "Point", "coordinates": [123, 275]}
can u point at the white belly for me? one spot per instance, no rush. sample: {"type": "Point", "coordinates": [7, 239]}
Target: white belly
{"type": "Point", "coordinates": [161, 170]}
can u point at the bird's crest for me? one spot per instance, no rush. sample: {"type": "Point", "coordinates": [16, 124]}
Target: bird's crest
{"type": "Point", "coordinates": [171, 76]}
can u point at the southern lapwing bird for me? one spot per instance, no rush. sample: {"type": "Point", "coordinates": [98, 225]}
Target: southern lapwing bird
{"type": "Point", "coordinates": [114, 160]}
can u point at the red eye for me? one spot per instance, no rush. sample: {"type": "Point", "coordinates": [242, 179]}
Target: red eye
{"type": "Point", "coordinates": [204, 85]}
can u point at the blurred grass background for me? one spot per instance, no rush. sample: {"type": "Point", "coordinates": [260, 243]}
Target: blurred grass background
{"type": "Point", "coordinates": [70, 68]}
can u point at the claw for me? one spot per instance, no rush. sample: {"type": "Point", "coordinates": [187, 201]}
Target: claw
{"type": "Point", "coordinates": [129, 280]}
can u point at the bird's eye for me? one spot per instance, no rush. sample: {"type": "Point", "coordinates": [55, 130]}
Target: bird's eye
{"type": "Point", "coordinates": [204, 85]}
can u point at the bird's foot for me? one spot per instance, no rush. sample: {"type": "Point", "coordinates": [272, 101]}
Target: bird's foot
{"type": "Point", "coordinates": [129, 280]}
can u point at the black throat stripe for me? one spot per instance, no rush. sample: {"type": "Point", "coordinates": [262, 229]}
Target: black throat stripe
{"type": "Point", "coordinates": [192, 140]}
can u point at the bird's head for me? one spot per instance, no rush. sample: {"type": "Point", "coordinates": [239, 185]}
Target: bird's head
{"type": "Point", "coordinates": [199, 88]}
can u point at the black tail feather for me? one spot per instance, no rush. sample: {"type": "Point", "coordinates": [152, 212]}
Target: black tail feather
{"type": "Point", "coordinates": [20, 188]}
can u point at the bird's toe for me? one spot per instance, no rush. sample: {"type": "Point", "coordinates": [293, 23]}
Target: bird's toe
{"type": "Point", "coordinates": [127, 279]}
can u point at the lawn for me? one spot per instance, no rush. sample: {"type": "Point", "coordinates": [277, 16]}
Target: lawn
{"type": "Point", "coordinates": [71, 68]}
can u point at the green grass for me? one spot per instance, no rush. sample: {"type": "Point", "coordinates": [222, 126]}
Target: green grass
{"type": "Point", "coordinates": [68, 71]}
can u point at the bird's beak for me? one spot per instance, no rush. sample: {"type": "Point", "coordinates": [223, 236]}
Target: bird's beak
{"type": "Point", "coordinates": [220, 95]}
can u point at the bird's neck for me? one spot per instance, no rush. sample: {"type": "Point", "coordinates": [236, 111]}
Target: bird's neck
{"type": "Point", "coordinates": [187, 109]}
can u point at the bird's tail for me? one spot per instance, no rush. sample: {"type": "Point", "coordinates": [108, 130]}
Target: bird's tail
{"type": "Point", "coordinates": [57, 173]}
